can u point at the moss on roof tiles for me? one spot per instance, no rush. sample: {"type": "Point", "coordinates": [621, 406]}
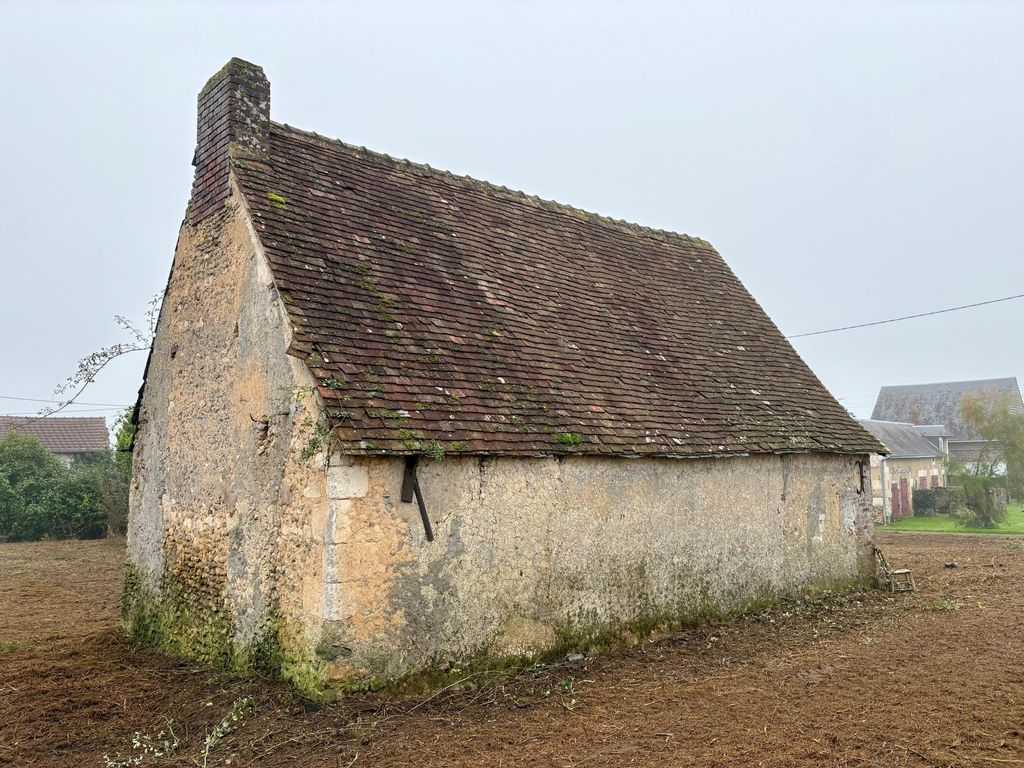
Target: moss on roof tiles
{"type": "Point", "coordinates": [563, 331]}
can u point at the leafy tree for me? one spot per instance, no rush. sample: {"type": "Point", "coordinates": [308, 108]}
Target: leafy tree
{"type": "Point", "coordinates": [80, 496]}
{"type": "Point", "coordinates": [114, 483]}
{"type": "Point", "coordinates": [41, 498]}
{"type": "Point", "coordinates": [30, 479]}
{"type": "Point", "coordinates": [1000, 458]}
{"type": "Point", "coordinates": [123, 438]}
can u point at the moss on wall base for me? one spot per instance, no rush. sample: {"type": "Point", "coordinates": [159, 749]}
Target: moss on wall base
{"type": "Point", "coordinates": [171, 623]}
{"type": "Point", "coordinates": [484, 668]}
{"type": "Point", "coordinates": [175, 623]}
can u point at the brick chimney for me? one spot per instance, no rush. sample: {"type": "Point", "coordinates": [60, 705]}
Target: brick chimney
{"type": "Point", "coordinates": [234, 107]}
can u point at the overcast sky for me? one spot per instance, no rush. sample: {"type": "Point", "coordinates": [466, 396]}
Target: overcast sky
{"type": "Point", "coordinates": [852, 162]}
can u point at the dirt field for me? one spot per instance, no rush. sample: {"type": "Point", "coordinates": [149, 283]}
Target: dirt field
{"type": "Point", "coordinates": [931, 679]}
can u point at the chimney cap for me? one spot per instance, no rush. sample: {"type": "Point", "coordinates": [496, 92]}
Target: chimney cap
{"type": "Point", "coordinates": [237, 67]}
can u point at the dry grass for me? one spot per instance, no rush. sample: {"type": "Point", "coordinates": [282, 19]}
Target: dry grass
{"type": "Point", "coordinates": [863, 679]}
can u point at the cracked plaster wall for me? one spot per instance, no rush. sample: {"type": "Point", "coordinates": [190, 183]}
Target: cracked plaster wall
{"type": "Point", "coordinates": [528, 551]}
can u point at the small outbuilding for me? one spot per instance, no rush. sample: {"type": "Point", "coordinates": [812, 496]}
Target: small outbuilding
{"type": "Point", "coordinates": [396, 419]}
{"type": "Point", "coordinates": [914, 461]}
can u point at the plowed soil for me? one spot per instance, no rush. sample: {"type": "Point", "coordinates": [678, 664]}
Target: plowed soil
{"type": "Point", "coordinates": [934, 678]}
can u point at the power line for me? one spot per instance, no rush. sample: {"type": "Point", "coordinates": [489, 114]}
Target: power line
{"type": "Point", "coordinates": [106, 406]}
{"type": "Point", "coordinates": [37, 400]}
{"type": "Point", "coordinates": [68, 413]}
{"type": "Point", "coordinates": [907, 317]}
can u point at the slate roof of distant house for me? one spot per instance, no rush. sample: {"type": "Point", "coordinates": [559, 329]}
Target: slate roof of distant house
{"type": "Point", "coordinates": [932, 430]}
{"type": "Point", "coordinates": [939, 403]}
{"type": "Point", "coordinates": [433, 307]}
{"type": "Point", "coordinates": [61, 434]}
{"type": "Point", "coordinates": [903, 440]}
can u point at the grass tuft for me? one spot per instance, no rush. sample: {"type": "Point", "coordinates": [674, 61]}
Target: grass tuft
{"type": "Point", "coordinates": [1013, 523]}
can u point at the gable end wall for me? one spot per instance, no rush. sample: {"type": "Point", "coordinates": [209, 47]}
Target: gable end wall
{"type": "Point", "coordinates": [222, 499]}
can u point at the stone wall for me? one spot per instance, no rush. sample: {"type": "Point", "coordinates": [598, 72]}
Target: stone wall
{"type": "Point", "coordinates": [533, 553]}
{"type": "Point", "coordinates": [223, 497]}
{"type": "Point", "coordinates": [886, 471]}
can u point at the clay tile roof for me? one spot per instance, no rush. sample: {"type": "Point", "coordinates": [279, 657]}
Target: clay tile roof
{"type": "Point", "coordinates": [904, 441]}
{"type": "Point", "coordinates": [939, 403]}
{"type": "Point", "coordinates": [61, 434]}
{"type": "Point", "coordinates": [431, 307]}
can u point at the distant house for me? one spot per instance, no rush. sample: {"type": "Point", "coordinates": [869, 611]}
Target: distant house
{"type": "Point", "coordinates": [939, 403]}
{"type": "Point", "coordinates": [936, 434]}
{"type": "Point", "coordinates": [914, 461]}
{"type": "Point", "coordinates": [69, 437]}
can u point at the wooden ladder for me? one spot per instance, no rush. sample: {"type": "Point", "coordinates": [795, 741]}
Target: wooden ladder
{"type": "Point", "coordinates": [896, 579]}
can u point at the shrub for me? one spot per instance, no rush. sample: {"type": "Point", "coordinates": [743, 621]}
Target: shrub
{"type": "Point", "coordinates": [41, 498]}
{"type": "Point", "coordinates": [924, 502]}
{"type": "Point", "coordinates": [113, 487]}
{"type": "Point", "coordinates": [983, 506]}
{"type": "Point", "coordinates": [30, 478]}
{"type": "Point", "coordinates": [80, 513]}
{"type": "Point", "coordinates": [948, 498]}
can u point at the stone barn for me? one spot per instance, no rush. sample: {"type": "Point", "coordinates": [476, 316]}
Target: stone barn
{"type": "Point", "coordinates": [939, 403]}
{"type": "Point", "coordinates": [397, 420]}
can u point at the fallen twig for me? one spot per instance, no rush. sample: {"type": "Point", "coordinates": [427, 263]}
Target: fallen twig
{"type": "Point", "coordinates": [915, 752]}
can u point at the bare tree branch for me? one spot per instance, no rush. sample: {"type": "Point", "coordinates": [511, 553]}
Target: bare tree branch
{"type": "Point", "coordinates": [90, 366]}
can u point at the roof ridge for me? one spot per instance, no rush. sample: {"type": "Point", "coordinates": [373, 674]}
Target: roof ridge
{"type": "Point", "coordinates": [518, 194]}
{"type": "Point", "coordinates": [950, 383]}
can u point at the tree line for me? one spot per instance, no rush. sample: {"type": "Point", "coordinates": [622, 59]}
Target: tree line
{"type": "Point", "coordinates": [996, 471]}
{"type": "Point", "coordinates": [41, 497]}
